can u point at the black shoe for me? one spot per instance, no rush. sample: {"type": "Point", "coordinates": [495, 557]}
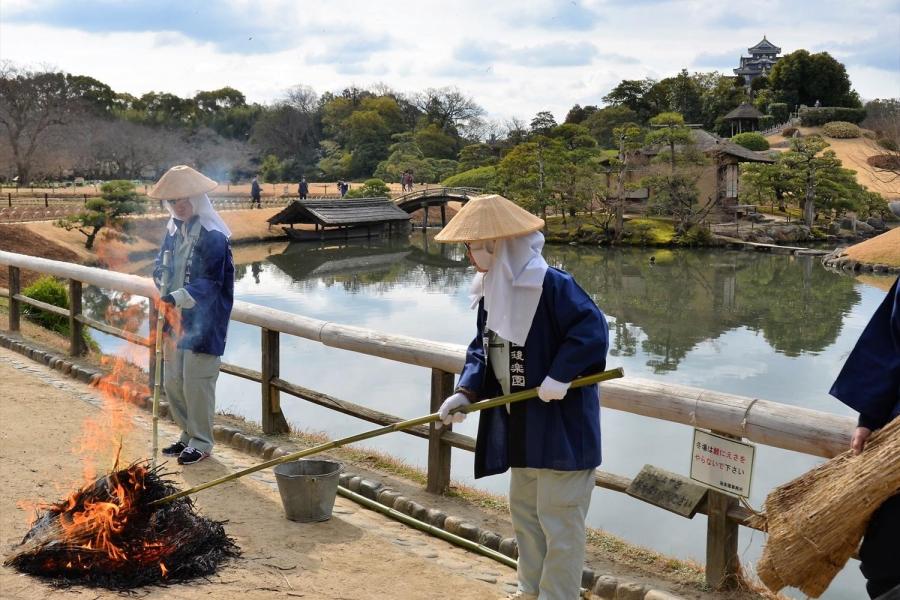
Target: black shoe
{"type": "Point", "coordinates": [174, 450]}
{"type": "Point", "coordinates": [190, 456]}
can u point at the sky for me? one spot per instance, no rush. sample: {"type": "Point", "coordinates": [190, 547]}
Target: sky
{"type": "Point", "coordinates": [514, 57]}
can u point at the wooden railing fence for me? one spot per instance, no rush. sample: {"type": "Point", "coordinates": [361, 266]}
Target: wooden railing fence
{"type": "Point", "coordinates": [779, 425]}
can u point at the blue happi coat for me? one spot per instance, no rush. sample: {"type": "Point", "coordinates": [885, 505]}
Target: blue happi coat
{"type": "Point", "coordinates": [568, 338]}
{"type": "Point", "coordinates": [209, 279]}
{"type": "Point", "coordinates": [870, 380]}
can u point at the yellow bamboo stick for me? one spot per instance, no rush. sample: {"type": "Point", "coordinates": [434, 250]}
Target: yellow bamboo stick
{"type": "Point", "coordinates": [157, 376]}
{"type": "Point", "coordinates": [484, 404]}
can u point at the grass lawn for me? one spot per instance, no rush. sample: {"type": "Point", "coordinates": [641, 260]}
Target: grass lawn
{"type": "Point", "coordinates": [650, 231]}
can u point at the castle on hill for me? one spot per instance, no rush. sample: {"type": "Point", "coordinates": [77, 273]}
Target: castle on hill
{"type": "Point", "coordinates": [763, 57]}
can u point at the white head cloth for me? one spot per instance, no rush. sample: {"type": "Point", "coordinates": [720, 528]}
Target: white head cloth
{"type": "Point", "coordinates": [512, 287]}
{"type": "Point", "coordinates": [205, 213]}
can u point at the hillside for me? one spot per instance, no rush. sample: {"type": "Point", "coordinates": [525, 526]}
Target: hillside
{"type": "Point", "coordinates": [881, 249]}
{"type": "Point", "coordinates": [853, 154]}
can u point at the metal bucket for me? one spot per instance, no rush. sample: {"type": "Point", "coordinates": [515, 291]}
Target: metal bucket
{"type": "Point", "coordinates": [308, 488]}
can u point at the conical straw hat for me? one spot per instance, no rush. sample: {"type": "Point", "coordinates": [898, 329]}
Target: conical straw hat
{"type": "Point", "coordinates": [181, 181]}
{"type": "Point", "coordinates": [490, 217]}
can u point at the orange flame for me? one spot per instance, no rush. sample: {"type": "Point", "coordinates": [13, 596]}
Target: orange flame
{"type": "Point", "coordinates": [93, 525]}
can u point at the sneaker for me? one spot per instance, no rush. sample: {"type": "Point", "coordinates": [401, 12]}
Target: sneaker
{"type": "Point", "coordinates": [191, 455]}
{"type": "Point", "coordinates": [174, 450]}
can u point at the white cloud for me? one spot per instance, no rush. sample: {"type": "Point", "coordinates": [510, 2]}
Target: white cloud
{"type": "Point", "coordinates": [514, 58]}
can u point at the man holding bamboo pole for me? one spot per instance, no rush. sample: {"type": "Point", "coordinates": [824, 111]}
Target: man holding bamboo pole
{"type": "Point", "coordinates": [202, 284]}
{"type": "Point", "coordinates": [535, 328]}
{"type": "Point", "coordinates": [870, 383]}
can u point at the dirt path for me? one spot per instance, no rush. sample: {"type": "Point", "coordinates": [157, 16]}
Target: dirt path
{"type": "Point", "coordinates": [356, 554]}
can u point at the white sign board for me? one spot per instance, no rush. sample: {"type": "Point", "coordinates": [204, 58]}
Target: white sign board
{"type": "Point", "coordinates": [722, 463]}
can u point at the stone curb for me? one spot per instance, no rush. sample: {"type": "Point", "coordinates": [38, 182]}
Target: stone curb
{"type": "Point", "coordinates": [838, 259]}
{"type": "Point", "coordinates": [602, 587]}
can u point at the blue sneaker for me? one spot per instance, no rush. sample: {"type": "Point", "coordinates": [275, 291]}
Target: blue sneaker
{"type": "Point", "coordinates": [174, 450]}
{"type": "Point", "coordinates": [190, 456]}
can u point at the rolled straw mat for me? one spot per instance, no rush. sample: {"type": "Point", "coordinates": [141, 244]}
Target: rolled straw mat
{"type": "Point", "coordinates": [816, 521]}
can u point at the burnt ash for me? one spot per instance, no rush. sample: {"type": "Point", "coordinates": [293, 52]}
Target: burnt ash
{"type": "Point", "coordinates": [174, 534]}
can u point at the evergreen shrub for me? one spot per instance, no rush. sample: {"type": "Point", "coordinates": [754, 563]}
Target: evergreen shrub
{"type": "Point", "coordinates": [840, 130]}
{"type": "Point", "coordinates": [751, 140]}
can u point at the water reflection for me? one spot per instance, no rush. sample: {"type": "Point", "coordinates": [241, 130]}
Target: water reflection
{"type": "Point", "coordinates": [663, 308]}
{"type": "Point", "coordinates": [682, 298]}
{"type": "Point", "coordinates": [373, 267]}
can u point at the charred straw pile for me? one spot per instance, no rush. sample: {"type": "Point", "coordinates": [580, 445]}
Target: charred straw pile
{"type": "Point", "coordinates": [106, 534]}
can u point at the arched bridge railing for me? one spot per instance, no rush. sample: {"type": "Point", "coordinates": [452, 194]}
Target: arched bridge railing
{"type": "Point", "coordinates": [438, 196]}
{"type": "Point", "coordinates": [432, 196]}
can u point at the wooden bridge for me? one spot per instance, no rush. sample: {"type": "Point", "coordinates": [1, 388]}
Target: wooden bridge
{"type": "Point", "coordinates": [440, 196]}
{"type": "Point", "coordinates": [804, 430]}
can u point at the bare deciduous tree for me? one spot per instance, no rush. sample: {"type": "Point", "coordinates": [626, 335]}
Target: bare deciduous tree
{"type": "Point", "coordinates": [31, 104]}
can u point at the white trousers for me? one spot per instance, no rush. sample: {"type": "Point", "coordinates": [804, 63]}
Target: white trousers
{"type": "Point", "coordinates": [189, 379]}
{"type": "Point", "coordinates": [548, 510]}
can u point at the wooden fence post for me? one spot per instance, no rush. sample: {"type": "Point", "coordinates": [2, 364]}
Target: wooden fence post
{"type": "Point", "coordinates": [46, 200]}
{"type": "Point", "coordinates": [76, 328]}
{"type": "Point", "coordinates": [273, 420]}
{"type": "Point", "coordinates": [14, 305]}
{"type": "Point", "coordinates": [438, 450]}
{"type": "Point", "coordinates": [722, 563]}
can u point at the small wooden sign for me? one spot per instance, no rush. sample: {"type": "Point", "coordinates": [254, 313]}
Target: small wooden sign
{"type": "Point", "coordinates": [667, 490]}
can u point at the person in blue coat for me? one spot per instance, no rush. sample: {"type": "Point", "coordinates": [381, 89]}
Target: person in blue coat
{"type": "Point", "coordinates": [869, 383]}
{"type": "Point", "coordinates": [535, 328]}
{"type": "Point", "coordinates": [201, 277]}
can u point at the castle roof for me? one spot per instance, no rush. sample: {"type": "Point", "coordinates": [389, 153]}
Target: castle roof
{"type": "Point", "coordinates": [764, 47]}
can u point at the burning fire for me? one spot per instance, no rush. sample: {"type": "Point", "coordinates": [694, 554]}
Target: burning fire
{"type": "Point", "coordinates": [108, 532]}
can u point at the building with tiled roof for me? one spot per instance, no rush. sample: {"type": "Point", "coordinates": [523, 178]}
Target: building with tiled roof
{"type": "Point", "coordinates": [763, 57]}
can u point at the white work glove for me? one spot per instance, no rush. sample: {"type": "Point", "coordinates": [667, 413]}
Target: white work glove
{"type": "Point", "coordinates": [552, 389]}
{"type": "Point", "coordinates": [183, 299]}
{"type": "Point", "coordinates": [452, 403]}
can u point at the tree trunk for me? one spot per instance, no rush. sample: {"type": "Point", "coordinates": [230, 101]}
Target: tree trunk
{"type": "Point", "coordinates": [809, 206]}
{"type": "Point", "coordinates": [89, 242]}
{"type": "Point", "coordinates": [23, 170]}
{"type": "Point", "coordinates": [620, 203]}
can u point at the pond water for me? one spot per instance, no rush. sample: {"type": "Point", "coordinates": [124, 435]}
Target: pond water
{"type": "Point", "coordinates": [767, 326]}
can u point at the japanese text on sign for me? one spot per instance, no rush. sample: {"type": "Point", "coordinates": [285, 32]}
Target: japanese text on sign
{"type": "Point", "coordinates": [722, 463]}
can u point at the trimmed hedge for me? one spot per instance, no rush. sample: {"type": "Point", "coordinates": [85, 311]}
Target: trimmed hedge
{"type": "Point", "coordinates": [372, 188]}
{"type": "Point", "coordinates": [840, 130]}
{"type": "Point", "coordinates": [479, 177]}
{"type": "Point", "coordinates": [888, 144]}
{"type": "Point", "coordinates": [766, 122]}
{"type": "Point", "coordinates": [751, 140]}
{"type": "Point", "coordinates": [813, 117]}
{"type": "Point", "coordinates": [789, 131]}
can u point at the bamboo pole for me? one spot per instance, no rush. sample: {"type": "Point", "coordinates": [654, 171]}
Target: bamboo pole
{"type": "Point", "coordinates": [157, 378]}
{"type": "Point", "coordinates": [477, 406]}
{"type": "Point", "coordinates": [427, 528]}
